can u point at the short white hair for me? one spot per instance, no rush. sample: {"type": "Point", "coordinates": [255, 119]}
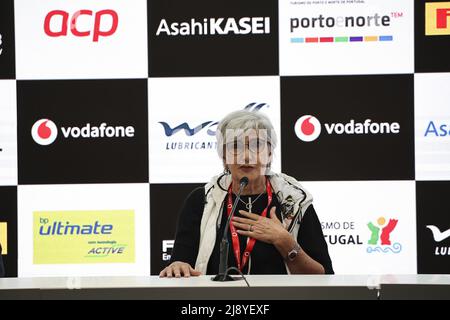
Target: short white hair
{"type": "Point", "coordinates": [245, 121]}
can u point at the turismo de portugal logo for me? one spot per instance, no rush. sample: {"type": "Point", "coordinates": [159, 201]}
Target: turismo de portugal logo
{"type": "Point", "coordinates": [381, 242]}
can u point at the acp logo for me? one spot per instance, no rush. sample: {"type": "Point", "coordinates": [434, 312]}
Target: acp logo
{"type": "Point", "coordinates": [307, 128]}
{"type": "Point", "coordinates": [437, 18]}
{"type": "Point", "coordinates": [382, 243]}
{"type": "Point", "coordinates": [44, 132]}
{"type": "Point", "coordinates": [56, 23]}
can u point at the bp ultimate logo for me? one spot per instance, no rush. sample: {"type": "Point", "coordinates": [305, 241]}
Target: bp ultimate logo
{"type": "Point", "coordinates": [79, 237]}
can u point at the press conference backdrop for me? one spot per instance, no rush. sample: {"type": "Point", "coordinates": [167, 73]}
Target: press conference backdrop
{"type": "Point", "coordinates": [108, 111]}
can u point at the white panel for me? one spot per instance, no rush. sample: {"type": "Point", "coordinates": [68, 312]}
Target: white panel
{"type": "Point", "coordinates": [84, 197]}
{"type": "Point", "coordinates": [182, 158]}
{"type": "Point", "coordinates": [346, 208]}
{"type": "Point", "coordinates": [432, 126]}
{"type": "Point", "coordinates": [328, 19]}
{"type": "Point", "coordinates": [122, 54]}
{"type": "Point", "coordinates": [8, 133]}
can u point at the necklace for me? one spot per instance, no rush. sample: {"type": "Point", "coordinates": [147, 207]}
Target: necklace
{"type": "Point", "coordinates": [250, 202]}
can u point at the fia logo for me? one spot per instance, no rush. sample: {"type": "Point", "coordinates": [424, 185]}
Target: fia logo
{"type": "Point", "coordinates": [166, 245]}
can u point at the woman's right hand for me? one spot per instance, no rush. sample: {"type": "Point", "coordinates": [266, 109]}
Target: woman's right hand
{"type": "Point", "coordinates": [179, 269]}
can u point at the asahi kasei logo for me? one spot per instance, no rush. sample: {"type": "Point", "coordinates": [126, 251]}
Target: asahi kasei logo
{"type": "Point", "coordinates": [44, 132]}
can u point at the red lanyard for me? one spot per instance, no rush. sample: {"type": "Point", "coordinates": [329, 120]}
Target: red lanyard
{"type": "Point", "coordinates": [234, 236]}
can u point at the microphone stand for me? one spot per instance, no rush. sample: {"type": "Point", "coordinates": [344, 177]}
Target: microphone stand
{"type": "Point", "coordinates": [224, 244]}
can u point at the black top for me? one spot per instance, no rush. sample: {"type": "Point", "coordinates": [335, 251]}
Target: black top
{"type": "Point", "coordinates": [265, 258]}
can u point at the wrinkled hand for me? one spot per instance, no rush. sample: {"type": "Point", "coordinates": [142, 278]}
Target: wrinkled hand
{"type": "Point", "coordinates": [178, 269]}
{"type": "Point", "coordinates": [268, 230]}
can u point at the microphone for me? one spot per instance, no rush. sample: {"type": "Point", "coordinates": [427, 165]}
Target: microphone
{"type": "Point", "coordinates": [224, 244]}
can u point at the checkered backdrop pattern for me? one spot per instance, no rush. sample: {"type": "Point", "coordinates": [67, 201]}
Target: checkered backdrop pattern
{"type": "Point", "coordinates": [108, 112]}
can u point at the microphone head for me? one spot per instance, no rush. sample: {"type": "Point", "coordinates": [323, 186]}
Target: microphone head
{"type": "Point", "coordinates": [244, 181]}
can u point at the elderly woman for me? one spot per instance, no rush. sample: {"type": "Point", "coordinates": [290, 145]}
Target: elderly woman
{"type": "Point", "coordinates": [275, 229]}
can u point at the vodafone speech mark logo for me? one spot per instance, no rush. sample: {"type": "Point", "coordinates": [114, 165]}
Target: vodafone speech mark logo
{"type": "Point", "coordinates": [105, 23]}
{"type": "Point", "coordinates": [307, 128]}
{"type": "Point", "coordinates": [44, 132]}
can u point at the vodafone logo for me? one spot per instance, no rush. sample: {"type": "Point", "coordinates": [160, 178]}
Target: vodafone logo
{"type": "Point", "coordinates": [307, 128]}
{"type": "Point", "coordinates": [44, 132]}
